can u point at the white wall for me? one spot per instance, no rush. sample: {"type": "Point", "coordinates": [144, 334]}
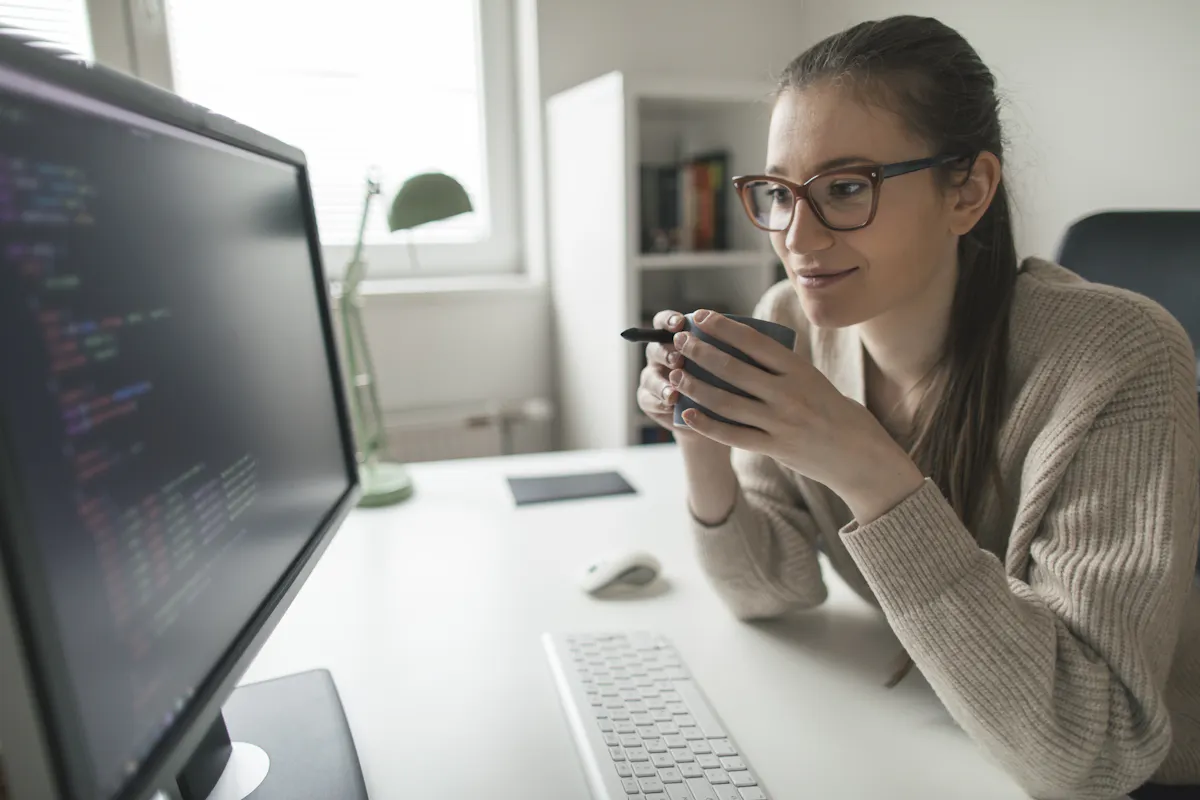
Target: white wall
{"type": "Point", "coordinates": [1103, 109]}
{"type": "Point", "coordinates": [721, 39]}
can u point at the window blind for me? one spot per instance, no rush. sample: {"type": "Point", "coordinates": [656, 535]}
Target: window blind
{"type": "Point", "coordinates": [355, 84]}
{"type": "Point", "coordinates": [63, 23]}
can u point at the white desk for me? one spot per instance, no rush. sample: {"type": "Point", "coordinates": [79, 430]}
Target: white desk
{"type": "Point", "coordinates": [429, 614]}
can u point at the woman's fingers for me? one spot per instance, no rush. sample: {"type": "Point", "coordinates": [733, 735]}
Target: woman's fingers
{"type": "Point", "coordinates": [663, 355]}
{"type": "Point", "coordinates": [656, 390]}
{"type": "Point", "coordinates": [669, 320]}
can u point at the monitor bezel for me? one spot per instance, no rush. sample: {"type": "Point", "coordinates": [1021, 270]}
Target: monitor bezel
{"type": "Point", "coordinates": [42, 755]}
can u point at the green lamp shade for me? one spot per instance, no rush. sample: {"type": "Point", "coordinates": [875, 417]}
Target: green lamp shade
{"type": "Point", "coordinates": [429, 197]}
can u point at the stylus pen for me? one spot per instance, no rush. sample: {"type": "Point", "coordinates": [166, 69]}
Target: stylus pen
{"type": "Point", "coordinates": [647, 335]}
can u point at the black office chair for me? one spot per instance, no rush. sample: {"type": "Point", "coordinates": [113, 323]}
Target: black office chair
{"type": "Point", "coordinates": [1155, 253]}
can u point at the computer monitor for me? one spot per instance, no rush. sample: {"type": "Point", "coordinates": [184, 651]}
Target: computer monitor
{"type": "Point", "coordinates": [175, 451]}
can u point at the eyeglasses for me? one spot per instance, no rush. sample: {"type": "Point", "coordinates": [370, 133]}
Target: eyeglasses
{"type": "Point", "coordinates": [844, 199]}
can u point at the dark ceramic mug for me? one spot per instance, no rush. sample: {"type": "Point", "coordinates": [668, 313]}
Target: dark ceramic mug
{"type": "Point", "coordinates": [780, 333]}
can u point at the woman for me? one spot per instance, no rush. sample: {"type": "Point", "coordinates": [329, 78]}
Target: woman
{"type": "Point", "coordinates": [1005, 458]}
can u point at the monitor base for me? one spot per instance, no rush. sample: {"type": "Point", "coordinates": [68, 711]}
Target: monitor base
{"type": "Point", "coordinates": [280, 739]}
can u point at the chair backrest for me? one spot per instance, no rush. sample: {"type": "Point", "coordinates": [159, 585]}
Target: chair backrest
{"type": "Point", "coordinates": [1155, 253]}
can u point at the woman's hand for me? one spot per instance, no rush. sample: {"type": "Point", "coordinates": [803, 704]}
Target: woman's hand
{"type": "Point", "coordinates": [796, 416]}
{"type": "Point", "coordinates": [655, 395]}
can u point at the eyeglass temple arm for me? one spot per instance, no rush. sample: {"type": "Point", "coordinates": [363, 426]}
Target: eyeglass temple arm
{"type": "Point", "coordinates": [905, 167]}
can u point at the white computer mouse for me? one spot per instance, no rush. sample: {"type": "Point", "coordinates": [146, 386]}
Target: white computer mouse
{"type": "Point", "coordinates": [633, 568]}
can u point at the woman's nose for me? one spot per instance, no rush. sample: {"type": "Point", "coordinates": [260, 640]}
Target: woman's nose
{"type": "Point", "coordinates": [806, 233]}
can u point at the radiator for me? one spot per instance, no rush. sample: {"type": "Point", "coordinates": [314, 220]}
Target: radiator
{"type": "Point", "coordinates": [472, 431]}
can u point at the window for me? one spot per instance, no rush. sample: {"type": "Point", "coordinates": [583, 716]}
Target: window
{"type": "Point", "coordinates": [57, 22]}
{"type": "Point", "coordinates": [405, 86]}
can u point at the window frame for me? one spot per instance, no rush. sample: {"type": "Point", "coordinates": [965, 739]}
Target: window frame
{"type": "Point", "coordinates": [131, 35]}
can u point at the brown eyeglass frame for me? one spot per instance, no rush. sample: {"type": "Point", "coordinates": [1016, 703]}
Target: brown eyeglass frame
{"type": "Point", "coordinates": [875, 173]}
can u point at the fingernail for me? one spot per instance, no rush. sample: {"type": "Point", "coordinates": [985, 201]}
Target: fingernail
{"type": "Point", "coordinates": [680, 340]}
{"type": "Point", "coordinates": [673, 320]}
{"type": "Point", "coordinates": [667, 392]}
{"type": "Point", "coordinates": [673, 358]}
{"type": "Point", "coordinates": [701, 315]}
{"type": "Point", "coordinates": [675, 377]}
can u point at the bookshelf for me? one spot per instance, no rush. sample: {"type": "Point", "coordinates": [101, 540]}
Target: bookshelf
{"type": "Point", "coordinates": [623, 246]}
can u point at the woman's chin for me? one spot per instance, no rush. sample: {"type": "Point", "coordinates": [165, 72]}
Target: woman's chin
{"type": "Point", "coordinates": [828, 312]}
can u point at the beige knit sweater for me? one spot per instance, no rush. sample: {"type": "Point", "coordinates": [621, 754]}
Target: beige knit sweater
{"type": "Point", "coordinates": [1064, 637]}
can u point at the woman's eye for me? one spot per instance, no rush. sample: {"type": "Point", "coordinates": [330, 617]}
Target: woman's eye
{"type": "Point", "coordinates": [842, 190]}
{"type": "Point", "coordinates": [779, 194]}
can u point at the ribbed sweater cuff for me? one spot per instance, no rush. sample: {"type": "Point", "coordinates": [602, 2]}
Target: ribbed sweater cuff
{"type": "Point", "coordinates": [742, 542]}
{"type": "Point", "coordinates": [914, 552]}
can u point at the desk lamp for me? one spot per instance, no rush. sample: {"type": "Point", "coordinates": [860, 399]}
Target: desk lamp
{"type": "Point", "coordinates": [424, 198]}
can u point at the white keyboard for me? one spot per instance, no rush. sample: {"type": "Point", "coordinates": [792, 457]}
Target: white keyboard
{"type": "Point", "coordinates": [642, 726]}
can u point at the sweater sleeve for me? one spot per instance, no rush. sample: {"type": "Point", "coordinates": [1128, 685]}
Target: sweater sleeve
{"type": "Point", "coordinates": [1060, 676]}
{"type": "Point", "coordinates": [762, 559]}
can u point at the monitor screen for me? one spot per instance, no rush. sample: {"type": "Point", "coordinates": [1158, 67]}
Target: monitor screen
{"type": "Point", "coordinates": [168, 400]}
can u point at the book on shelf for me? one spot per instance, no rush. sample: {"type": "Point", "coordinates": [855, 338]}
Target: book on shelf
{"type": "Point", "coordinates": [683, 207]}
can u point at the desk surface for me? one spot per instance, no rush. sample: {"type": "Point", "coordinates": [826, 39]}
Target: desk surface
{"type": "Point", "coordinates": [429, 614]}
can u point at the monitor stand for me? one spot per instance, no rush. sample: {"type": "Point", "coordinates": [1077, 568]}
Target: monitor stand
{"type": "Point", "coordinates": [281, 739]}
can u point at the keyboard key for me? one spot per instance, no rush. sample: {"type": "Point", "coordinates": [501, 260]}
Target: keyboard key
{"type": "Point", "coordinates": [677, 709]}
{"type": "Point", "coordinates": [691, 734]}
{"type": "Point", "coordinates": [708, 761]}
{"type": "Point", "coordinates": [670, 775]}
{"type": "Point", "coordinates": [644, 769]}
{"type": "Point", "coordinates": [691, 771]}
{"type": "Point", "coordinates": [717, 776]}
{"type": "Point", "coordinates": [619, 715]}
{"type": "Point", "coordinates": [722, 747]}
{"type": "Point", "coordinates": [638, 707]}
{"type": "Point", "coordinates": [606, 725]}
{"type": "Point", "coordinates": [685, 720]}
{"type": "Point", "coordinates": [672, 696]}
{"type": "Point", "coordinates": [706, 720]}
{"type": "Point", "coordinates": [642, 719]}
{"type": "Point", "coordinates": [667, 727]}
{"type": "Point", "coordinates": [682, 755]}
{"type": "Point", "coordinates": [631, 740]}
{"type": "Point", "coordinates": [662, 760]}
{"type": "Point", "coordinates": [732, 764]}
{"type": "Point", "coordinates": [700, 747]}
{"type": "Point", "coordinates": [702, 789]}
{"type": "Point", "coordinates": [630, 695]}
{"type": "Point", "coordinates": [657, 705]}
{"type": "Point", "coordinates": [612, 739]}
{"type": "Point", "coordinates": [674, 740]}
{"type": "Point", "coordinates": [630, 785]}
{"type": "Point", "coordinates": [662, 715]}
{"type": "Point", "coordinates": [742, 778]}
{"type": "Point", "coordinates": [616, 753]}
{"type": "Point", "coordinates": [614, 704]}
{"type": "Point", "coordinates": [609, 693]}
{"type": "Point", "coordinates": [650, 785]}
{"type": "Point", "coordinates": [625, 727]}
{"type": "Point", "coordinates": [637, 754]}
{"type": "Point", "coordinates": [727, 791]}
{"type": "Point", "coordinates": [624, 769]}
{"type": "Point", "coordinates": [753, 793]}
{"type": "Point", "coordinates": [648, 732]}
{"type": "Point", "coordinates": [678, 791]}
{"type": "Point", "coordinates": [655, 746]}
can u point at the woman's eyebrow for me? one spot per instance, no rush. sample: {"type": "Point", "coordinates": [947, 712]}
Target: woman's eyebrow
{"type": "Point", "coordinates": [833, 163]}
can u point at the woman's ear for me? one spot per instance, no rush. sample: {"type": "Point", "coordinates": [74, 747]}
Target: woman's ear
{"type": "Point", "coordinates": [971, 197]}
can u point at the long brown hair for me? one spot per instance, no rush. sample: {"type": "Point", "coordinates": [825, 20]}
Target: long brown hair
{"type": "Point", "coordinates": [928, 74]}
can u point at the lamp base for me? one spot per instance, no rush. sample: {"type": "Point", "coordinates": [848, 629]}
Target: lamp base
{"type": "Point", "coordinates": [384, 483]}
